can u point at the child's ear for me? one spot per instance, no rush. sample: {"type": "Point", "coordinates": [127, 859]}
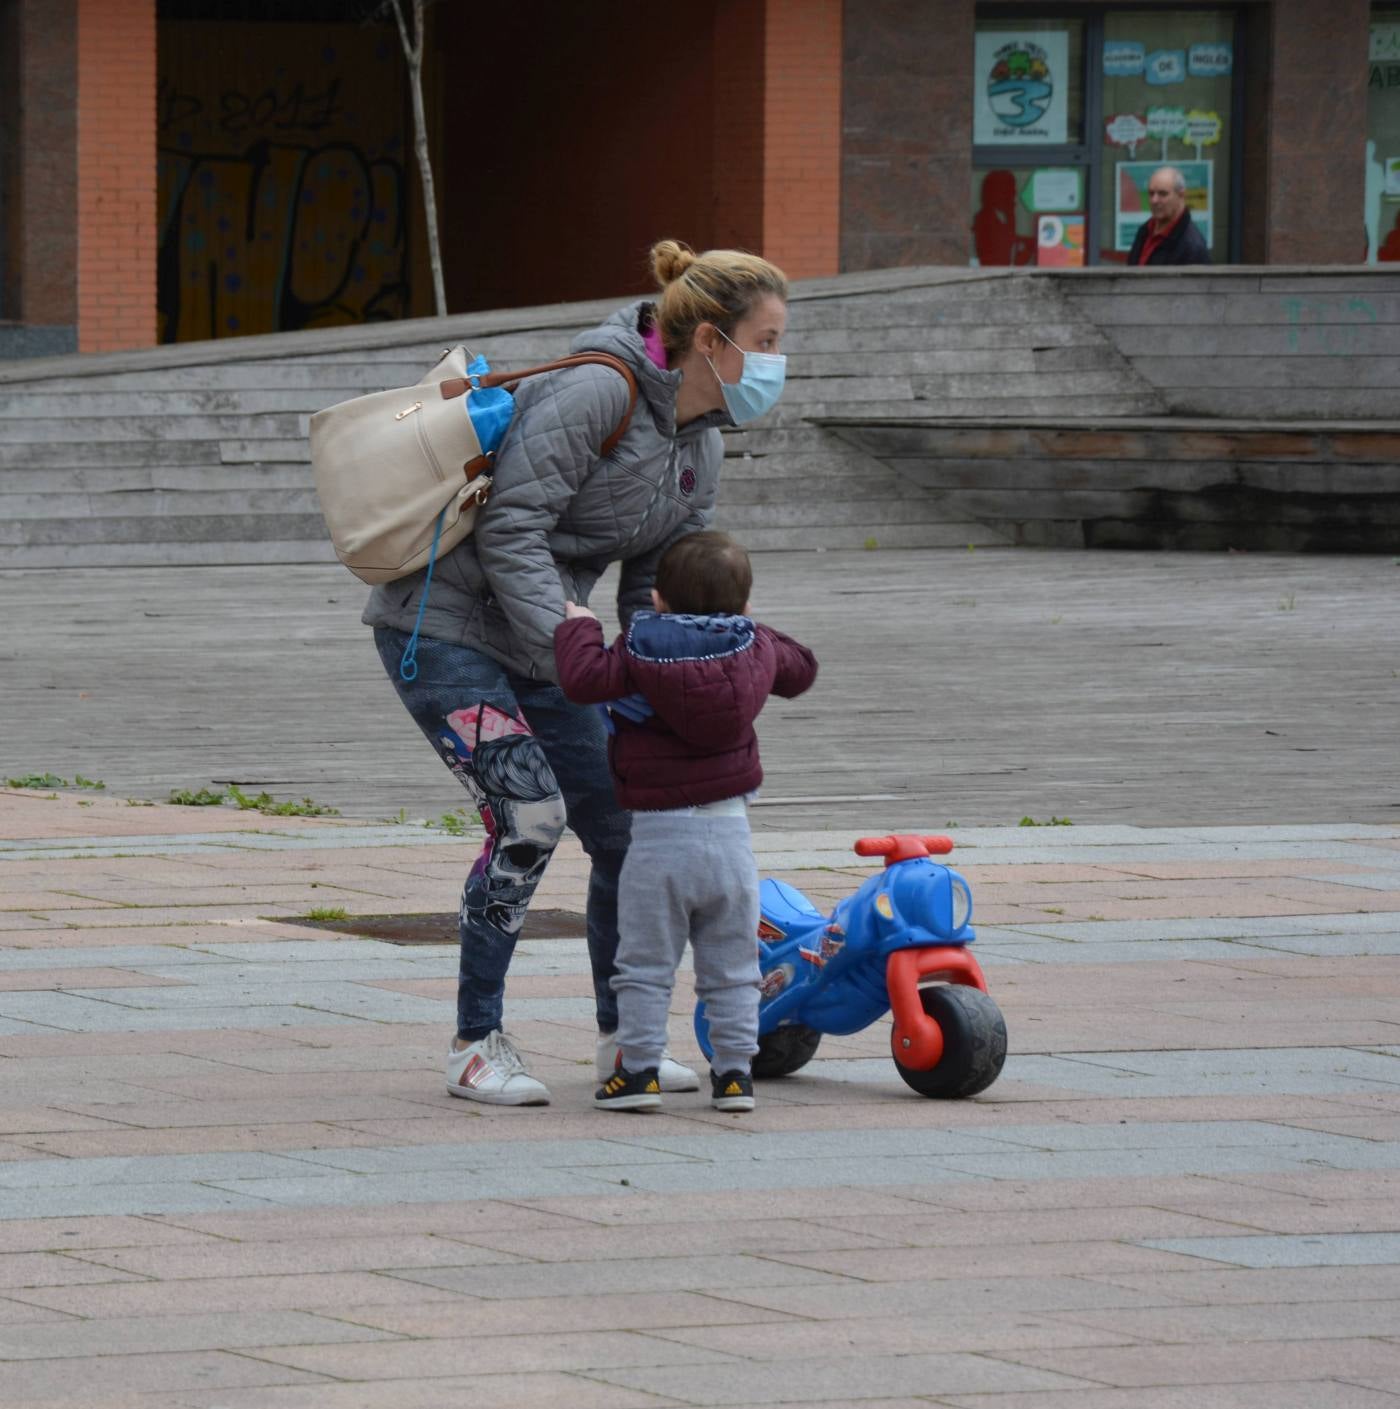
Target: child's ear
{"type": "Point", "coordinates": [658, 602]}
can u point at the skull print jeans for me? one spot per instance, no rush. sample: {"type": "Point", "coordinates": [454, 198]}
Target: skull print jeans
{"type": "Point", "coordinates": [532, 762]}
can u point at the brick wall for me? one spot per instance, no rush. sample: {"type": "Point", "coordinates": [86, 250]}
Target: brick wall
{"type": "Point", "coordinates": [802, 130]}
{"type": "Point", "coordinates": [42, 245]}
{"type": "Point", "coordinates": [1316, 123]}
{"type": "Point", "coordinates": [907, 133]}
{"type": "Point", "coordinates": [116, 171]}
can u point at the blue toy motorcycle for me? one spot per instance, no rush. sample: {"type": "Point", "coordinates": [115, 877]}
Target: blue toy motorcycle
{"type": "Point", "coordinates": [899, 943]}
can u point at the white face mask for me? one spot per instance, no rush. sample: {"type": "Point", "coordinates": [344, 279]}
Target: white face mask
{"type": "Point", "coordinates": [759, 386]}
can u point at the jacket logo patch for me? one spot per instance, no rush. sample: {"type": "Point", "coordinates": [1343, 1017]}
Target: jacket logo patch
{"type": "Point", "coordinates": [687, 481]}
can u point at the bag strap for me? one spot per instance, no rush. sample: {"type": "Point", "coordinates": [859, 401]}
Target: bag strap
{"type": "Point", "coordinates": [459, 386]}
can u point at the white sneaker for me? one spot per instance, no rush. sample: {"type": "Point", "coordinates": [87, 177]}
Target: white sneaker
{"type": "Point", "coordinates": [671, 1074]}
{"type": "Point", "coordinates": [490, 1070]}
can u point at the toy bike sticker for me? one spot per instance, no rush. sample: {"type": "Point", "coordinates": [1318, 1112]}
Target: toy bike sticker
{"type": "Point", "coordinates": [501, 764]}
{"type": "Point", "coordinates": [1131, 206]}
{"type": "Point", "coordinates": [1021, 88]}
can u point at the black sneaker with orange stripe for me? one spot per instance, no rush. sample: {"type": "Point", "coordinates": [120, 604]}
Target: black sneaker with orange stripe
{"type": "Point", "coordinates": [629, 1090]}
{"type": "Point", "coordinates": [731, 1091]}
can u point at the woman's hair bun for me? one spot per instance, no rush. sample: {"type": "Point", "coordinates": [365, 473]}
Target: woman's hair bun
{"type": "Point", "coordinates": [669, 260]}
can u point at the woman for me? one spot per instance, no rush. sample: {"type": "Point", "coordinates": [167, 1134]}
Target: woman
{"type": "Point", "coordinates": [705, 355]}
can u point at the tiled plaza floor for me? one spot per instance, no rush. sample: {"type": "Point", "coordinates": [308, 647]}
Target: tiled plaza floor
{"type": "Point", "coordinates": [230, 1177]}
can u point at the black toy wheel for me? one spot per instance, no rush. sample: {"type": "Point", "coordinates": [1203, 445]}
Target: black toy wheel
{"type": "Point", "coordinates": [785, 1049]}
{"type": "Point", "coordinates": [974, 1043]}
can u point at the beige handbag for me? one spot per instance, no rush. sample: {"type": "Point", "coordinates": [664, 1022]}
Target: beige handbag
{"type": "Point", "coordinates": [401, 474]}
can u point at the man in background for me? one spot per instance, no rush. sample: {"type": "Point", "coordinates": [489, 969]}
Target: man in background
{"type": "Point", "coordinates": [1168, 236]}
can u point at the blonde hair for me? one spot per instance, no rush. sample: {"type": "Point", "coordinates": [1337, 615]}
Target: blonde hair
{"type": "Point", "coordinates": [719, 287]}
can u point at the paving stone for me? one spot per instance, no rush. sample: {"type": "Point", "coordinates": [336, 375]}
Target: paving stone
{"type": "Point", "coordinates": [1269, 1321]}
{"type": "Point", "coordinates": [1300, 1394]}
{"type": "Point", "coordinates": [368, 1292]}
{"type": "Point", "coordinates": [820, 1380]}
{"type": "Point", "coordinates": [503, 1391]}
{"type": "Point", "coordinates": [120, 1335]}
{"type": "Point", "coordinates": [1235, 1362]}
{"type": "Point", "coordinates": [685, 1274]}
{"type": "Point", "coordinates": [1309, 1250]}
{"type": "Point", "coordinates": [81, 1381]}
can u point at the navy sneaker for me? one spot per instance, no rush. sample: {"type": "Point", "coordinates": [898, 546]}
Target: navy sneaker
{"type": "Point", "coordinates": [629, 1091]}
{"type": "Point", "coordinates": [731, 1091]}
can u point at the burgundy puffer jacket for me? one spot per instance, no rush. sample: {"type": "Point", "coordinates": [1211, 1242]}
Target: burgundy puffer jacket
{"type": "Point", "coordinates": [705, 678]}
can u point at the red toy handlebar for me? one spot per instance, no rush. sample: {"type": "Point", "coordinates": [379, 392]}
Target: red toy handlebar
{"type": "Point", "coordinates": [903, 847]}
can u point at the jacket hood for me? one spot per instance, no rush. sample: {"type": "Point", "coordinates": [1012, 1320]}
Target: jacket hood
{"type": "Point", "coordinates": [621, 335]}
{"type": "Point", "coordinates": [675, 636]}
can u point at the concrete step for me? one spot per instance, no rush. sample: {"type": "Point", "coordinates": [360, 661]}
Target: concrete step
{"type": "Point", "coordinates": [198, 453]}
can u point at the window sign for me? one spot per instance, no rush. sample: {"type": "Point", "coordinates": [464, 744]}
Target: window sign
{"type": "Point", "coordinates": [1385, 43]}
{"type": "Point", "coordinates": [1125, 130]}
{"type": "Point", "coordinates": [1166, 66]}
{"type": "Point", "coordinates": [1210, 60]}
{"type": "Point", "coordinates": [1053, 189]}
{"type": "Point", "coordinates": [1060, 241]}
{"type": "Point", "coordinates": [1165, 123]}
{"type": "Point", "coordinates": [1202, 130]}
{"type": "Point", "coordinates": [1123, 58]}
{"type": "Point", "coordinates": [1022, 88]}
{"type": "Point", "coordinates": [1133, 209]}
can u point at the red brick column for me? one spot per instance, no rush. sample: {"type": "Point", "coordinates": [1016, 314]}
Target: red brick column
{"type": "Point", "coordinates": [802, 136]}
{"type": "Point", "coordinates": [777, 131]}
{"type": "Point", "coordinates": [116, 195]}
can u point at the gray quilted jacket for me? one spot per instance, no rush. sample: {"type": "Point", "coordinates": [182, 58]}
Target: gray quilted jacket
{"type": "Point", "coordinates": [558, 515]}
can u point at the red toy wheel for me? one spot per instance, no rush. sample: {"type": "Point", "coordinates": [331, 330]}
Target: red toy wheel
{"type": "Point", "coordinates": [974, 1043]}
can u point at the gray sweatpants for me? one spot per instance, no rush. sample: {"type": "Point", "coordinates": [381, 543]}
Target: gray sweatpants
{"type": "Point", "coordinates": [689, 875]}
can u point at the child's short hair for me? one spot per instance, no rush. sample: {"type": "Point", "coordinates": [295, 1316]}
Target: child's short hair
{"type": "Point", "coordinates": [705, 574]}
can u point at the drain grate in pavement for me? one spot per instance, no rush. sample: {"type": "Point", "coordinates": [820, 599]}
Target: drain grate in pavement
{"type": "Point", "coordinates": [434, 928]}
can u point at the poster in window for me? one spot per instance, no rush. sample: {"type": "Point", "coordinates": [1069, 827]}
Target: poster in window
{"type": "Point", "coordinates": [1131, 206]}
{"type": "Point", "coordinates": [1060, 241]}
{"type": "Point", "coordinates": [1021, 88]}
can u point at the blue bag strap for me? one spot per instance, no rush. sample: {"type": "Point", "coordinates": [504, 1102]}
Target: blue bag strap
{"type": "Point", "coordinates": [408, 665]}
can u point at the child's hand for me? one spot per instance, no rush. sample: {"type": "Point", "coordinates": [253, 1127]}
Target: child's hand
{"type": "Point", "coordinates": [572, 612]}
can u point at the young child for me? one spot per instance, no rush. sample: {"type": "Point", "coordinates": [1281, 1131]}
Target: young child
{"type": "Point", "coordinates": [685, 763]}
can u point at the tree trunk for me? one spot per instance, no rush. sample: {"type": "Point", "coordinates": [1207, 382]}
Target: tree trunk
{"type": "Point", "coordinates": [413, 52]}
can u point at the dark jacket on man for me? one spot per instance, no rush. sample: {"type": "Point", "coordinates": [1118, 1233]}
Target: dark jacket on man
{"type": "Point", "coordinates": [706, 678]}
{"type": "Point", "coordinates": [1184, 244]}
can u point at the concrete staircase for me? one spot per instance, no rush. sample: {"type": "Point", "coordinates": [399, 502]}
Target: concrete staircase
{"type": "Point", "coordinates": [925, 407]}
{"type": "Point", "coordinates": [198, 453]}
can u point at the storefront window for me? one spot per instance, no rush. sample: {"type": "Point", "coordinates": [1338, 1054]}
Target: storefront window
{"type": "Point", "coordinates": [1383, 140]}
{"type": "Point", "coordinates": [1072, 116]}
{"type": "Point", "coordinates": [1028, 109]}
{"type": "Point", "coordinates": [1167, 80]}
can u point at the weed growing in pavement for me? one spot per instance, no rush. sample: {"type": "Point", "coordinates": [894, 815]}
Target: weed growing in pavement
{"type": "Point", "coordinates": [263, 802]}
{"type": "Point", "coordinates": [1053, 822]}
{"type": "Point", "coordinates": [52, 780]}
{"type": "Point", "coordinates": [269, 807]}
{"type": "Point", "coordinates": [205, 797]}
{"type": "Point", "coordinates": [1285, 603]}
{"type": "Point", "coordinates": [454, 823]}
{"type": "Point", "coordinates": [327, 912]}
